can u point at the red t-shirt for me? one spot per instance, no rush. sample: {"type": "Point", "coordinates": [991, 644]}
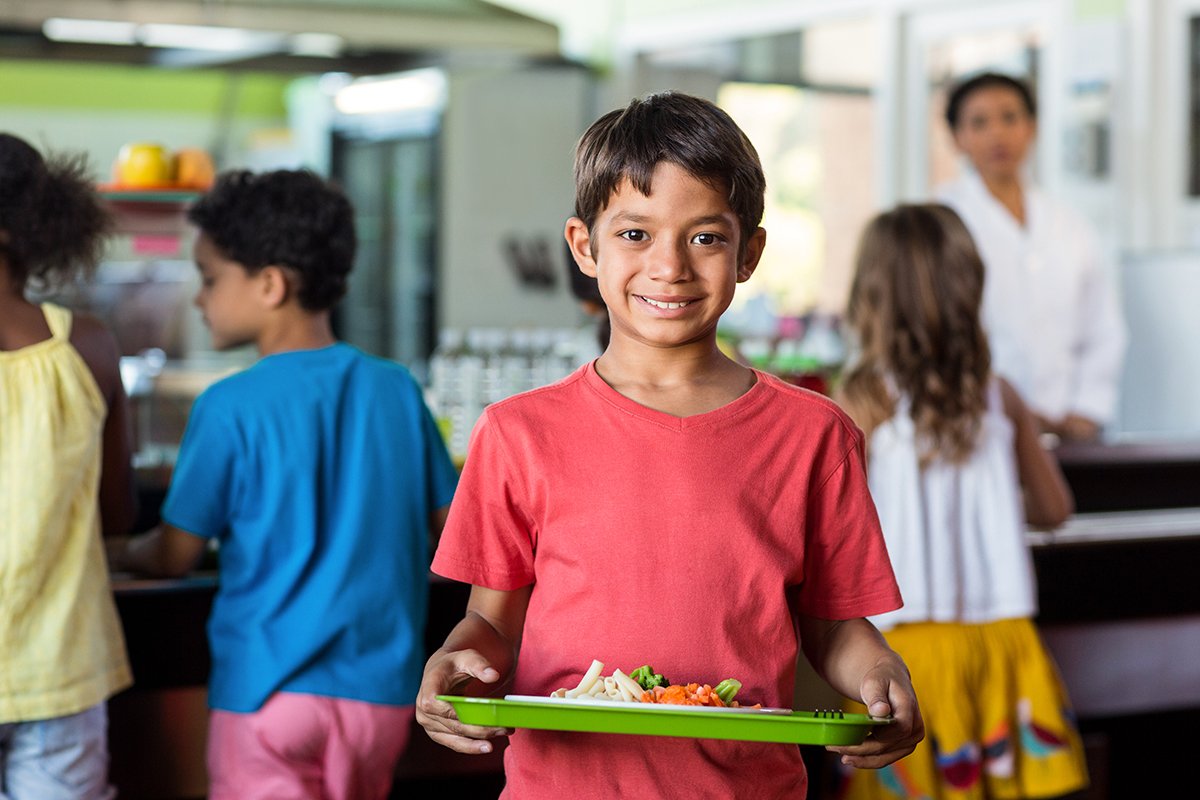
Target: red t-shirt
{"type": "Point", "coordinates": [684, 543]}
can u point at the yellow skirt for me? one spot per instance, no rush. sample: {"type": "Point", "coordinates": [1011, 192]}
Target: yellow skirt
{"type": "Point", "coordinates": [997, 720]}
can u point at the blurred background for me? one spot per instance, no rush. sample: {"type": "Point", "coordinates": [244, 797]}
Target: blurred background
{"type": "Point", "coordinates": [451, 123]}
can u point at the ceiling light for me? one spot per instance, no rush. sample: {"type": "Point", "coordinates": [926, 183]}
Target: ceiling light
{"type": "Point", "coordinates": [92, 31]}
{"type": "Point", "coordinates": [411, 91]}
{"type": "Point", "coordinates": [207, 37]}
{"type": "Point", "coordinates": [325, 45]}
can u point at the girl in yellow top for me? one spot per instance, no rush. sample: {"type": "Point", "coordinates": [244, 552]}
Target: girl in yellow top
{"type": "Point", "coordinates": [64, 475]}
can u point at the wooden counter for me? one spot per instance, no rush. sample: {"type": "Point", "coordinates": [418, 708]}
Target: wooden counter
{"type": "Point", "coordinates": [1120, 609]}
{"type": "Point", "coordinates": [1132, 475]}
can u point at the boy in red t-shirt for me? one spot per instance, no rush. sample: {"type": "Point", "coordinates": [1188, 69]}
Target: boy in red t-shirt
{"type": "Point", "coordinates": [665, 504]}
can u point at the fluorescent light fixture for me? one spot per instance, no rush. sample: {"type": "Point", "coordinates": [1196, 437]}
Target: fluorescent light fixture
{"type": "Point", "coordinates": [208, 37]}
{"type": "Point", "coordinates": [92, 31]}
{"type": "Point", "coordinates": [410, 91]}
{"type": "Point", "coordinates": [324, 45]}
{"type": "Point", "coordinates": [191, 37]}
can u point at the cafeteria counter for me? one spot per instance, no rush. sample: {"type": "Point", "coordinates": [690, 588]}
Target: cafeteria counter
{"type": "Point", "coordinates": [1132, 475]}
{"type": "Point", "coordinates": [1120, 610]}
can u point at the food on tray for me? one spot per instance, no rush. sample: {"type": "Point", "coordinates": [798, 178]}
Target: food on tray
{"type": "Point", "coordinates": [644, 685]}
{"type": "Point", "coordinates": [647, 678]}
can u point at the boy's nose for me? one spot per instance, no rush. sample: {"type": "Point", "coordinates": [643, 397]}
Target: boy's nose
{"type": "Point", "coordinates": [670, 263]}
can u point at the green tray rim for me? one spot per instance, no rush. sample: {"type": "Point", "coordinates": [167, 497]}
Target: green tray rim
{"type": "Point", "coordinates": [799, 727]}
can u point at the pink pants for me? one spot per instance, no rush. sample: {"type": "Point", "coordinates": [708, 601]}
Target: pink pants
{"type": "Point", "coordinates": [306, 747]}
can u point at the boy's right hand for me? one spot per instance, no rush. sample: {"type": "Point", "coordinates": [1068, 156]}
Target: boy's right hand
{"type": "Point", "coordinates": [448, 672]}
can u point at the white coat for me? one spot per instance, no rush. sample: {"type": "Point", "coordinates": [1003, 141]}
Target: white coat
{"type": "Point", "coordinates": [1049, 304]}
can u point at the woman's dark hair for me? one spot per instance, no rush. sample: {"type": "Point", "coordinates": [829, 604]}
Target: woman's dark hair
{"type": "Point", "coordinates": [52, 221]}
{"type": "Point", "coordinates": [987, 80]}
{"type": "Point", "coordinates": [628, 143]}
{"type": "Point", "coordinates": [286, 218]}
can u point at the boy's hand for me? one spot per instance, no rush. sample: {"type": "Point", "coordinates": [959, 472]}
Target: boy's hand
{"type": "Point", "coordinates": [447, 673]}
{"type": "Point", "coordinates": [887, 690]}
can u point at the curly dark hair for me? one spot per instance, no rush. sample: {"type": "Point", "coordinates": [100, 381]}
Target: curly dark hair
{"type": "Point", "coordinates": [286, 218]}
{"type": "Point", "coordinates": [691, 132]}
{"type": "Point", "coordinates": [986, 80]}
{"type": "Point", "coordinates": [52, 221]}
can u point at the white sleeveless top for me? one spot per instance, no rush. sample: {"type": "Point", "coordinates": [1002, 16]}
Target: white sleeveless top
{"type": "Point", "coordinates": [955, 532]}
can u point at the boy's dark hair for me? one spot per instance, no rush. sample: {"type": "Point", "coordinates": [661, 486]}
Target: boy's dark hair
{"type": "Point", "coordinates": [285, 218]}
{"type": "Point", "coordinates": [986, 80]}
{"type": "Point", "coordinates": [52, 222]}
{"type": "Point", "coordinates": [688, 131]}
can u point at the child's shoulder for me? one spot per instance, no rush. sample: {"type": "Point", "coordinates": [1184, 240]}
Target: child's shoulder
{"type": "Point", "coordinates": [288, 373]}
{"type": "Point", "coordinates": [259, 380]}
{"type": "Point", "coordinates": [230, 391]}
{"type": "Point", "coordinates": [551, 399]}
{"type": "Point", "coordinates": [816, 407]}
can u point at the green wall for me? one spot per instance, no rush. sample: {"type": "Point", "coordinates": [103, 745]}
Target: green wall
{"type": "Point", "coordinates": [43, 84]}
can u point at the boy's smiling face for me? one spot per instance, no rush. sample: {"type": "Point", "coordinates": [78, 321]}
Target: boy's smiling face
{"type": "Point", "coordinates": [667, 262]}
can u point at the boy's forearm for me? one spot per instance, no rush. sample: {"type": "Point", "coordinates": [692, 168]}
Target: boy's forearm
{"type": "Point", "coordinates": [843, 651]}
{"type": "Point", "coordinates": [164, 552]}
{"type": "Point", "coordinates": [492, 628]}
{"type": "Point", "coordinates": [474, 632]}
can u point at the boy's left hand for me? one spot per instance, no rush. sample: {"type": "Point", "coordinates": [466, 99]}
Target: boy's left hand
{"type": "Point", "coordinates": [886, 691]}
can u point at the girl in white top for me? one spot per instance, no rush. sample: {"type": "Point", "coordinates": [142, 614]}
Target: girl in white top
{"type": "Point", "coordinates": [1049, 304]}
{"type": "Point", "coordinates": [956, 471]}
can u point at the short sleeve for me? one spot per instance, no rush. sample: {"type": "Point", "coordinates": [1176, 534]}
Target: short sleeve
{"type": "Point", "coordinates": [847, 572]}
{"type": "Point", "coordinates": [201, 498]}
{"type": "Point", "coordinates": [488, 539]}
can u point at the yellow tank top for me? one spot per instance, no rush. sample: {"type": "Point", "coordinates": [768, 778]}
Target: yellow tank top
{"type": "Point", "coordinates": [61, 647]}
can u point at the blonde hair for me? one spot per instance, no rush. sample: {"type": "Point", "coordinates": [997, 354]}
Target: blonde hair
{"type": "Point", "coordinates": [914, 304]}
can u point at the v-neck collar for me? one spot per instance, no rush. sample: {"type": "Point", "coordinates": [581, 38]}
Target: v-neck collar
{"type": "Point", "coordinates": [1000, 211]}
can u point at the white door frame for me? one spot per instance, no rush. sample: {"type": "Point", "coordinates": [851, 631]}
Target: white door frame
{"type": "Point", "coordinates": [1167, 158]}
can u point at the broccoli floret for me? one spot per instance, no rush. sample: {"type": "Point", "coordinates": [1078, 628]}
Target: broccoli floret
{"type": "Point", "coordinates": [647, 678]}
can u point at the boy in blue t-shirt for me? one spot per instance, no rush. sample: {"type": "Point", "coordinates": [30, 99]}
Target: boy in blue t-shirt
{"type": "Point", "coordinates": [320, 472]}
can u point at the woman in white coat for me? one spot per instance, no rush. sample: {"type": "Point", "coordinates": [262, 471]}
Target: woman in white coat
{"type": "Point", "coordinates": [1049, 307]}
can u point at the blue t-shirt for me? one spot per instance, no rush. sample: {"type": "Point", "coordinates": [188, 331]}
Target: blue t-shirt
{"type": "Point", "coordinates": [317, 471]}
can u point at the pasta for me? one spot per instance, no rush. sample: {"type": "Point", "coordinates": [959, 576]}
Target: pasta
{"type": "Point", "coordinates": [589, 680]}
{"type": "Point", "coordinates": [621, 688]}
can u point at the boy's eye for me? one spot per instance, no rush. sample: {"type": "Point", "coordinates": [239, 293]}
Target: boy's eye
{"type": "Point", "coordinates": [633, 235]}
{"type": "Point", "coordinates": [706, 238]}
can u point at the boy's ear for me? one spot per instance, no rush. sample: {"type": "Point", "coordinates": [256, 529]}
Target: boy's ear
{"type": "Point", "coordinates": [579, 239]}
{"type": "Point", "coordinates": [751, 254]}
{"type": "Point", "coordinates": [275, 288]}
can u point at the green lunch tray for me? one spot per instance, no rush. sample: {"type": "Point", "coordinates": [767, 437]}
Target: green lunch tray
{"type": "Point", "coordinates": [595, 716]}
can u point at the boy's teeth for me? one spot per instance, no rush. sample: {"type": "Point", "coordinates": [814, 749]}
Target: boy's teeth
{"type": "Point", "coordinates": [658, 304]}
